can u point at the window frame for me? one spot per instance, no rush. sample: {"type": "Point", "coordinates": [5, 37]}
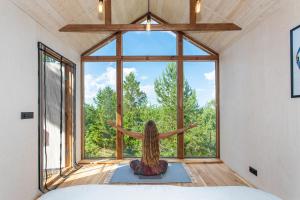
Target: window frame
{"type": "Point", "coordinates": [179, 59]}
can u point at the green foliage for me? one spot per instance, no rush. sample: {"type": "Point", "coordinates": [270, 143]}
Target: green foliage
{"type": "Point", "coordinates": [134, 104]}
{"type": "Point", "coordinates": [201, 141]}
{"type": "Point", "coordinates": [100, 138]}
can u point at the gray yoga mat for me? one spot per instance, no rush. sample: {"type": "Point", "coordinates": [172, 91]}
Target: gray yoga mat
{"type": "Point", "coordinates": [176, 173]}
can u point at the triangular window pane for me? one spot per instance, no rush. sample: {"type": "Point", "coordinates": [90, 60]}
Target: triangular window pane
{"type": "Point", "coordinates": [191, 49]}
{"type": "Point", "coordinates": [107, 50]}
{"type": "Point", "coordinates": [152, 22]}
{"type": "Point", "coordinates": [152, 43]}
{"type": "Point", "coordinates": [149, 43]}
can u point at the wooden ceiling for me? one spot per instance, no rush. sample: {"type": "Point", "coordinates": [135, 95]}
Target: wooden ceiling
{"type": "Point", "coordinates": [54, 14]}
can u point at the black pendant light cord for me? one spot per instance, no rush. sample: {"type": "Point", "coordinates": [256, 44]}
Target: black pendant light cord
{"type": "Point", "coordinates": [148, 13]}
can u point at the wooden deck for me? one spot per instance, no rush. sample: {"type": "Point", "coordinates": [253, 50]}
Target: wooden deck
{"type": "Point", "coordinates": [204, 173]}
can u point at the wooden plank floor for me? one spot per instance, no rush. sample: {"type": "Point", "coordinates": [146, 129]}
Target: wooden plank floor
{"type": "Point", "coordinates": [203, 174]}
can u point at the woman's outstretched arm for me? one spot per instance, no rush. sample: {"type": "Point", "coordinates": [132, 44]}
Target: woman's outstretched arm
{"type": "Point", "coordinates": [133, 134]}
{"type": "Point", "coordinates": [181, 130]}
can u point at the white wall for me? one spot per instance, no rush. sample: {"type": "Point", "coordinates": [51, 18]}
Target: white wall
{"type": "Point", "coordinates": [19, 35]}
{"type": "Point", "coordinates": [260, 123]}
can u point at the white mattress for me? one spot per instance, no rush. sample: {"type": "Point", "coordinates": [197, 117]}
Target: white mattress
{"type": "Point", "coordinates": [156, 192]}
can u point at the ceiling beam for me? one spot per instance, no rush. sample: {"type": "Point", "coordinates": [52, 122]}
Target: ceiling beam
{"type": "Point", "coordinates": [148, 58]}
{"type": "Point", "coordinates": [107, 11]}
{"type": "Point", "coordinates": [193, 16]}
{"type": "Point", "coordinates": [203, 27]}
{"type": "Point", "coordinates": [159, 20]}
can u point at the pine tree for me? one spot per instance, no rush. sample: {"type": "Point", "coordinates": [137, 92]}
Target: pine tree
{"type": "Point", "coordinates": [166, 91]}
{"type": "Point", "coordinates": [134, 104]}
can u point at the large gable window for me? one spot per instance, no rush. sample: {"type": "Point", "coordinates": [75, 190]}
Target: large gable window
{"type": "Point", "coordinates": [158, 75]}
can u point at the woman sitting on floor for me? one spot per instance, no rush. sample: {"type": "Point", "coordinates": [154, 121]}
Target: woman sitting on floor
{"type": "Point", "coordinates": [150, 165]}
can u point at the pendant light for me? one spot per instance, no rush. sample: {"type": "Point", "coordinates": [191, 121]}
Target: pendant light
{"type": "Point", "coordinates": [148, 23]}
{"type": "Point", "coordinates": [100, 6]}
{"type": "Point", "coordinates": [198, 6]}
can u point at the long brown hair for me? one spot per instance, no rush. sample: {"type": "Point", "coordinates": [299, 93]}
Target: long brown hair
{"type": "Point", "coordinates": [151, 144]}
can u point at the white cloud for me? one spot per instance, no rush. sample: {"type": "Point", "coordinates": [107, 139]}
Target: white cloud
{"type": "Point", "coordinates": [210, 75]}
{"type": "Point", "coordinates": [93, 83]}
{"type": "Point", "coordinates": [150, 92]}
{"type": "Point", "coordinates": [205, 95]}
{"type": "Point", "coordinates": [127, 71]}
{"type": "Point", "coordinates": [108, 77]}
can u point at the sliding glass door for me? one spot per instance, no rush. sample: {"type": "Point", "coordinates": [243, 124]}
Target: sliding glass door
{"type": "Point", "coordinates": [56, 116]}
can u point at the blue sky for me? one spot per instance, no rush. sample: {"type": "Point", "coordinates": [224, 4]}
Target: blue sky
{"type": "Point", "coordinates": [200, 75]}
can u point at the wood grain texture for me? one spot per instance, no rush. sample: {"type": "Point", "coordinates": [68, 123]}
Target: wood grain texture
{"type": "Point", "coordinates": [55, 13]}
{"type": "Point", "coordinates": [119, 89]}
{"type": "Point", "coordinates": [107, 11]}
{"type": "Point", "coordinates": [204, 27]}
{"type": "Point", "coordinates": [68, 117]}
{"type": "Point", "coordinates": [203, 175]}
{"type": "Point", "coordinates": [147, 58]}
{"type": "Point", "coordinates": [193, 16]}
{"type": "Point", "coordinates": [139, 20]}
{"type": "Point", "coordinates": [180, 112]}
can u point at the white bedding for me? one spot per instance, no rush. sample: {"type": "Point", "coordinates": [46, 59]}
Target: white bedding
{"type": "Point", "coordinates": [156, 192]}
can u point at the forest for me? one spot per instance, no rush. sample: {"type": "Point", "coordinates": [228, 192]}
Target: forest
{"type": "Point", "coordinates": [100, 137]}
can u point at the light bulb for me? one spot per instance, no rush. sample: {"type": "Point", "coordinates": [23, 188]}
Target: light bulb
{"type": "Point", "coordinates": [100, 6]}
{"type": "Point", "coordinates": [198, 6]}
{"type": "Point", "coordinates": [148, 25]}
